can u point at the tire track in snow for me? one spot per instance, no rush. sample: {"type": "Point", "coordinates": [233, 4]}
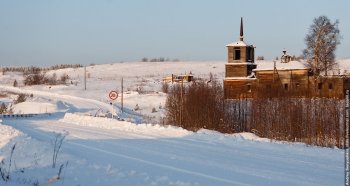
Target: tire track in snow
{"type": "Point", "coordinates": [74, 100]}
{"type": "Point", "coordinates": [187, 142]}
{"type": "Point", "coordinates": [66, 98]}
{"type": "Point", "coordinates": [164, 154]}
{"type": "Point", "coordinates": [147, 162]}
{"type": "Point", "coordinates": [242, 156]}
{"type": "Point", "coordinates": [155, 164]}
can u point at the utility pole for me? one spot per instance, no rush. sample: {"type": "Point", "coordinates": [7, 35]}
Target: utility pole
{"type": "Point", "coordinates": [181, 102]}
{"type": "Point", "coordinates": [122, 97]}
{"type": "Point", "coordinates": [274, 68]}
{"type": "Point", "coordinates": [84, 77]}
{"type": "Point", "coordinates": [112, 108]}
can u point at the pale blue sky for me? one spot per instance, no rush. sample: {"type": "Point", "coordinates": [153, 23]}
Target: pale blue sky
{"type": "Point", "coordinates": [46, 32]}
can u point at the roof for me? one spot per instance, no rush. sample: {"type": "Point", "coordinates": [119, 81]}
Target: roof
{"type": "Point", "coordinates": [343, 67]}
{"type": "Point", "coordinates": [238, 44]}
{"type": "Point", "coordinates": [239, 78]}
{"type": "Point", "coordinates": [246, 63]}
{"type": "Point", "coordinates": [269, 65]}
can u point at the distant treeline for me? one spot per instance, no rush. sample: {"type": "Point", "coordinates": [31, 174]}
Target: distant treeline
{"type": "Point", "coordinates": [37, 75]}
{"type": "Point", "coordinates": [33, 68]}
{"type": "Point", "coordinates": [314, 121]}
{"type": "Point", "coordinates": [160, 59]}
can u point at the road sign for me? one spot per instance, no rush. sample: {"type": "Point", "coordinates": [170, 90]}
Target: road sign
{"type": "Point", "coordinates": [113, 95]}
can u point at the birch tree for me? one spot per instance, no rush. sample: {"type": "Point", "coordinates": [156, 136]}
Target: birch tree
{"type": "Point", "coordinates": [321, 43]}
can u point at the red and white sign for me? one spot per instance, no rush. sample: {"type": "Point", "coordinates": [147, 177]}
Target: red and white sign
{"type": "Point", "coordinates": [113, 95]}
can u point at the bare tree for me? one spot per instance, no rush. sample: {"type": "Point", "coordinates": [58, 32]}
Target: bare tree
{"type": "Point", "coordinates": [321, 43]}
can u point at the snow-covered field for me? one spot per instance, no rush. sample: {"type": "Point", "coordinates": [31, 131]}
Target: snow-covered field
{"type": "Point", "coordinates": [105, 151]}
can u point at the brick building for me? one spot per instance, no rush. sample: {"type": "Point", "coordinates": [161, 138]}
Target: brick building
{"type": "Point", "coordinates": [246, 78]}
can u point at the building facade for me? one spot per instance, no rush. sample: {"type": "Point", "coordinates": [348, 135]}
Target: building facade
{"type": "Point", "coordinates": [245, 78]}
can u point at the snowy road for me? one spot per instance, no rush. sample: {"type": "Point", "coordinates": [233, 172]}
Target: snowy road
{"type": "Point", "coordinates": [77, 102]}
{"type": "Point", "coordinates": [121, 156]}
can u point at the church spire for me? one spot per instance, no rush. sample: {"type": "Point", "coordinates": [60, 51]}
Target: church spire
{"type": "Point", "coordinates": [241, 31]}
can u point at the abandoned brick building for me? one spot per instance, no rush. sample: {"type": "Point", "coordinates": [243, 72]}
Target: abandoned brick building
{"type": "Point", "coordinates": [245, 78]}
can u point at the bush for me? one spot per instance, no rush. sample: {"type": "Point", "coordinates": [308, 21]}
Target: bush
{"type": "Point", "coordinates": [260, 58]}
{"type": "Point", "coordinates": [21, 98]}
{"type": "Point", "coordinates": [198, 105]}
{"type": "Point", "coordinates": [165, 87]}
{"type": "Point", "coordinates": [314, 121]}
{"type": "Point", "coordinates": [136, 108]}
{"type": "Point", "coordinates": [64, 78]}
{"type": "Point", "coordinates": [3, 108]}
{"type": "Point", "coordinates": [15, 83]}
{"type": "Point", "coordinates": [35, 78]}
{"type": "Point", "coordinates": [154, 110]}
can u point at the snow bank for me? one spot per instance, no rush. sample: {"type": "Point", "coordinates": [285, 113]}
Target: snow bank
{"type": "Point", "coordinates": [7, 133]}
{"type": "Point", "coordinates": [107, 123]}
{"type": "Point", "coordinates": [34, 108]}
{"type": "Point", "coordinates": [31, 158]}
{"type": "Point", "coordinates": [211, 135]}
{"type": "Point", "coordinates": [28, 151]}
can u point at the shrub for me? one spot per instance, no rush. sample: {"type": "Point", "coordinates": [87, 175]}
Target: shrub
{"type": "Point", "coordinates": [21, 98]}
{"type": "Point", "coordinates": [35, 78]}
{"type": "Point", "coordinates": [260, 58]}
{"type": "Point", "coordinates": [154, 110]}
{"type": "Point", "coordinates": [198, 105]}
{"type": "Point", "coordinates": [314, 121]}
{"type": "Point", "coordinates": [15, 83]}
{"type": "Point", "coordinates": [165, 87]}
{"type": "Point", "coordinates": [64, 78]}
{"type": "Point", "coordinates": [3, 108]}
{"type": "Point", "coordinates": [136, 107]}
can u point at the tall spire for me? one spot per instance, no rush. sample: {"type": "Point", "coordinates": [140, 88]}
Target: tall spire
{"type": "Point", "coordinates": [241, 31]}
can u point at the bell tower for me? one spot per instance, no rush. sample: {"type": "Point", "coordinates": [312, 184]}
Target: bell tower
{"type": "Point", "coordinates": [240, 58]}
{"type": "Point", "coordinates": [239, 77]}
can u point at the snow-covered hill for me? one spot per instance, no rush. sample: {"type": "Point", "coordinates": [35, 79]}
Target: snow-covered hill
{"type": "Point", "coordinates": [142, 83]}
{"type": "Point", "coordinates": [105, 151]}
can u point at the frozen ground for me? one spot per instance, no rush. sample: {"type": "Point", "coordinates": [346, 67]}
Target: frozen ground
{"type": "Point", "coordinates": [102, 151]}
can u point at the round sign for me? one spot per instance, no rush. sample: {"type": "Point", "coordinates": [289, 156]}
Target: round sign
{"type": "Point", "coordinates": [113, 95]}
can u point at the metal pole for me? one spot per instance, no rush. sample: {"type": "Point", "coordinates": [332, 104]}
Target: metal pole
{"type": "Point", "coordinates": [122, 98]}
{"type": "Point", "coordinates": [85, 78]}
{"type": "Point", "coordinates": [112, 109]}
